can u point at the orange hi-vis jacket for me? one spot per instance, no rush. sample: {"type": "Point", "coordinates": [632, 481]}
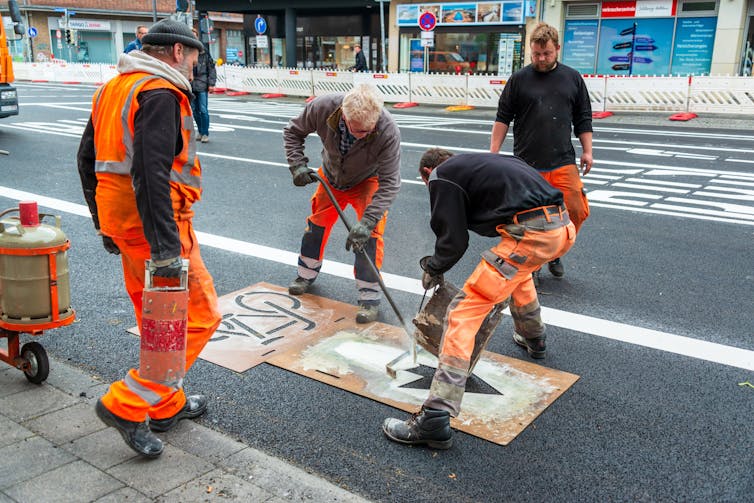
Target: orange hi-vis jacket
{"type": "Point", "coordinates": [113, 145]}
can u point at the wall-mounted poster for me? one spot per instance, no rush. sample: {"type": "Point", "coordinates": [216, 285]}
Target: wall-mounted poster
{"type": "Point", "coordinates": [488, 12]}
{"type": "Point", "coordinates": [580, 44]}
{"type": "Point", "coordinates": [635, 46]}
{"type": "Point", "coordinates": [433, 8]}
{"type": "Point", "coordinates": [513, 12]}
{"type": "Point", "coordinates": [694, 38]}
{"type": "Point", "coordinates": [453, 13]}
{"type": "Point", "coordinates": [470, 13]}
{"type": "Point", "coordinates": [407, 15]}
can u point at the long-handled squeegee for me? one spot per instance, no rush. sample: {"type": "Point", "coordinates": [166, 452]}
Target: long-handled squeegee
{"type": "Point", "coordinates": [390, 367]}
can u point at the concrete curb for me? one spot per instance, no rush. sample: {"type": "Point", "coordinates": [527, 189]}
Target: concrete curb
{"type": "Point", "coordinates": [53, 448]}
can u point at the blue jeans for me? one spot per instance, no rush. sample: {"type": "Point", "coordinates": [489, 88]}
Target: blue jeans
{"type": "Point", "coordinates": [201, 112]}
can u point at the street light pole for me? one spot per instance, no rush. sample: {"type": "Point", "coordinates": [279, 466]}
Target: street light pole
{"type": "Point", "coordinates": [154, 11]}
{"type": "Point", "coordinates": [382, 31]}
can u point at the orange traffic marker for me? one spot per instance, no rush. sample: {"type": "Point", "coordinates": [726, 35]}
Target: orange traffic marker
{"type": "Point", "coordinates": [683, 116]}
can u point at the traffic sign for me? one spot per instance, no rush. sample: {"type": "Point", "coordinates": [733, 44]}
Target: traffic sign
{"type": "Point", "coordinates": [32, 32]}
{"type": "Point", "coordinates": [260, 25]}
{"type": "Point", "coordinates": [427, 21]}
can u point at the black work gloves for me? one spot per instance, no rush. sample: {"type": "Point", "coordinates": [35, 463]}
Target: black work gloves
{"type": "Point", "coordinates": [302, 175]}
{"type": "Point", "coordinates": [360, 233]}
{"type": "Point", "coordinates": [170, 268]}
{"type": "Point", "coordinates": [429, 278]}
{"type": "Point", "coordinates": [110, 245]}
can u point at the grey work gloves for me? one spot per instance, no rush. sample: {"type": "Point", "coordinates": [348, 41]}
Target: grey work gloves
{"type": "Point", "coordinates": [110, 245]}
{"type": "Point", "coordinates": [170, 268]}
{"type": "Point", "coordinates": [430, 279]}
{"type": "Point", "coordinates": [360, 233]}
{"type": "Point", "coordinates": [302, 175]}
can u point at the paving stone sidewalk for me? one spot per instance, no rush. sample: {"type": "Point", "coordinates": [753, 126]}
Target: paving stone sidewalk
{"type": "Point", "coordinates": [53, 448]}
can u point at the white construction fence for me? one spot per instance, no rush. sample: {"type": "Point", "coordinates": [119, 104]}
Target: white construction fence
{"type": "Point", "coordinates": [708, 94]}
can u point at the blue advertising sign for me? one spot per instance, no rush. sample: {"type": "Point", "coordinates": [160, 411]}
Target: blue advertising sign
{"type": "Point", "coordinates": [417, 56]}
{"type": "Point", "coordinates": [647, 45]}
{"type": "Point", "coordinates": [260, 25]}
{"type": "Point", "coordinates": [694, 39]}
{"type": "Point", "coordinates": [580, 45]}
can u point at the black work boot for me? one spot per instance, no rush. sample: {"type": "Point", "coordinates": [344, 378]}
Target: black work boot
{"type": "Point", "coordinates": [299, 286]}
{"type": "Point", "coordinates": [137, 435]}
{"type": "Point", "coordinates": [556, 268]}
{"type": "Point", "coordinates": [367, 313]}
{"type": "Point", "coordinates": [429, 426]}
{"type": "Point", "coordinates": [196, 405]}
{"type": "Point", "coordinates": [535, 347]}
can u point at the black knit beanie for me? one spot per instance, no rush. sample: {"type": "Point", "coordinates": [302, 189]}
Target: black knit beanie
{"type": "Point", "coordinates": [169, 32]}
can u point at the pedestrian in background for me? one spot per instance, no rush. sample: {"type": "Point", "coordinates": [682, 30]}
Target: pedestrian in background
{"type": "Point", "coordinates": [491, 195]}
{"type": "Point", "coordinates": [544, 100]}
{"type": "Point", "coordinates": [140, 174]}
{"type": "Point", "coordinates": [361, 60]}
{"type": "Point", "coordinates": [205, 78]}
{"type": "Point", "coordinates": [361, 164]}
{"type": "Point", "coordinates": [135, 44]}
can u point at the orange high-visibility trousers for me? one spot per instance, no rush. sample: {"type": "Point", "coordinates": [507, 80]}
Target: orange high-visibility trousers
{"type": "Point", "coordinates": [133, 398]}
{"type": "Point", "coordinates": [504, 271]}
{"type": "Point", "coordinates": [568, 181]}
{"type": "Point", "coordinates": [320, 224]}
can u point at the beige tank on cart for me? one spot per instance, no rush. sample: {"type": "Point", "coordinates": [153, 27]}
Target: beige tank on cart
{"type": "Point", "coordinates": [35, 292]}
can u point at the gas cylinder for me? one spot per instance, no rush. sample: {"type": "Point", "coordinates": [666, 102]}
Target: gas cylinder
{"type": "Point", "coordinates": [34, 285]}
{"type": "Point", "coordinates": [164, 326]}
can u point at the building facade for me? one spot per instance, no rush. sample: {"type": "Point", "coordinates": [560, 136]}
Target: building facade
{"type": "Point", "coordinates": [91, 31]}
{"type": "Point", "coordinates": [607, 37]}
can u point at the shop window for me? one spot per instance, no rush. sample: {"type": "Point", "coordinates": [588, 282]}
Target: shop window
{"type": "Point", "coordinates": [234, 49]}
{"type": "Point", "coordinates": [462, 53]}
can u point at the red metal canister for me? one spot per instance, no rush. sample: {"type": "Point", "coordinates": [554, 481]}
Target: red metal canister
{"type": "Point", "coordinates": [163, 330]}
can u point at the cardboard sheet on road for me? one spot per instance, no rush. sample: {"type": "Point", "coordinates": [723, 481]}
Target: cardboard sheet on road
{"type": "Point", "coordinates": [319, 338]}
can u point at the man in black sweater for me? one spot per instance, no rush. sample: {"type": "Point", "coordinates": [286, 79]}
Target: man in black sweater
{"type": "Point", "coordinates": [492, 195]}
{"type": "Point", "coordinates": [546, 99]}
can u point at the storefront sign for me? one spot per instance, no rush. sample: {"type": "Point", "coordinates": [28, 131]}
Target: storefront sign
{"type": "Point", "coordinates": [694, 40]}
{"type": "Point", "coordinates": [85, 24]}
{"type": "Point", "coordinates": [468, 13]}
{"type": "Point", "coordinates": [580, 44]}
{"type": "Point", "coordinates": [639, 8]}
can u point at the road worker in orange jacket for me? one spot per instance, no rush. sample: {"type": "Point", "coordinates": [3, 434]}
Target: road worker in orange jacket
{"type": "Point", "coordinates": [492, 195]}
{"type": "Point", "coordinates": [140, 175]}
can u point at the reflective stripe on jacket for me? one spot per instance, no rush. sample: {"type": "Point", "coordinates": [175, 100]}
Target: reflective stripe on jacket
{"type": "Point", "coordinates": [114, 108]}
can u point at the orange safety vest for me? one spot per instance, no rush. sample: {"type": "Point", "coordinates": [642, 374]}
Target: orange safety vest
{"type": "Point", "coordinates": [114, 107]}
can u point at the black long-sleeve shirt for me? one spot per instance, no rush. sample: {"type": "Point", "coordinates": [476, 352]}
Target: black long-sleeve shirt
{"type": "Point", "coordinates": [478, 192]}
{"type": "Point", "coordinates": [156, 128]}
{"type": "Point", "coordinates": [543, 106]}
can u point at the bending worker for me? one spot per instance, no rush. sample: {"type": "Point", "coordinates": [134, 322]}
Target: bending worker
{"type": "Point", "coordinates": [140, 174]}
{"type": "Point", "coordinates": [361, 165]}
{"type": "Point", "coordinates": [491, 195]}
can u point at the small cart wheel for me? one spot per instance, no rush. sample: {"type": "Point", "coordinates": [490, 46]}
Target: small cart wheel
{"type": "Point", "coordinates": [39, 365]}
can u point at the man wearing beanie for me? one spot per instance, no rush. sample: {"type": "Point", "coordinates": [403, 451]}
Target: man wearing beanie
{"type": "Point", "coordinates": [140, 174]}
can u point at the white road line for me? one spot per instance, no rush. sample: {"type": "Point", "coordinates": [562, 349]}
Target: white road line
{"type": "Point", "coordinates": [687, 346]}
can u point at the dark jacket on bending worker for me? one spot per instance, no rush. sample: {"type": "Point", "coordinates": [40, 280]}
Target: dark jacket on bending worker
{"type": "Point", "coordinates": [122, 160]}
{"type": "Point", "coordinates": [479, 192]}
{"type": "Point", "coordinates": [377, 154]}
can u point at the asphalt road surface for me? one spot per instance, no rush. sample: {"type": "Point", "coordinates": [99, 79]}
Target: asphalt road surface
{"type": "Point", "coordinates": [655, 312]}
